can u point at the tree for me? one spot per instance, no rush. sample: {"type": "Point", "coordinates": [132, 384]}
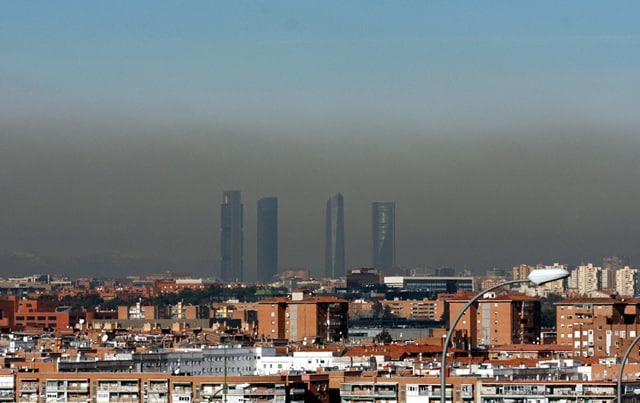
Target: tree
{"type": "Point", "coordinates": [548, 311]}
{"type": "Point", "coordinates": [388, 313]}
{"type": "Point", "coordinates": [376, 310]}
{"type": "Point", "coordinates": [383, 337]}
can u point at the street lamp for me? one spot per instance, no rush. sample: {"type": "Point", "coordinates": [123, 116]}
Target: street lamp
{"type": "Point", "coordinates": [622, 364]}
{"type": "Point", "coordinates": [537, 277]}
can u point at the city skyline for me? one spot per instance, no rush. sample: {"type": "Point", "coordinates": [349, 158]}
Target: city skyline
{"type": "Point", "coordinates": [507, 132]}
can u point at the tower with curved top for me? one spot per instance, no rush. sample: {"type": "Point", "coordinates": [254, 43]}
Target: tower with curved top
{"type": "Point", "coordinates": [383, 224]}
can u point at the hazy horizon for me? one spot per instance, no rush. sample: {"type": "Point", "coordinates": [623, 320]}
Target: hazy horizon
{"type": "Point", "coordinates": [504, 133]}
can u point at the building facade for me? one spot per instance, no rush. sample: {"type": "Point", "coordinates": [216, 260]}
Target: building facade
{"type": "Point", "coordinates": [231, 237]}
{"type": "Point", "coordinates": [627, 281]}
{"type": "Point", "coordinates": [303, 318]}
{"type": "Point", "coordinates": [267, 239]}
{"type": "Point", "coordinates": [430, 284]}
{"type": "Point", "coordinates": [586, 278]}
{"type": "Point", "coordinates": [18, 314]}
{"type": "Point", "coordinates": [496, 319]}
{"type": "Point", "coordinates": [598, 327]}
{"type": "Point", "coordinates": [334, 237]}
{"type": "Point", "coordinates": [610, 266]}
{"type": "Point", "coordinates": [383, 226]}
{"type": "Point", "coordinates": [363, 278]}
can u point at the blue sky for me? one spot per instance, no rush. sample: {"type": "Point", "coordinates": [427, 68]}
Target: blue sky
{"type": "Point", "coordinates": [159, 59]}
{"type": "Point", "coordinates": [134, 107]}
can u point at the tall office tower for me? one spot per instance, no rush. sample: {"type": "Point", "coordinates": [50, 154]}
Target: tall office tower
{"type": "Point", "coordinates": [267, 238]}
{"type": "Point", "coordinates": [231, 237]}
{"type": "Point", "coordinates": [383, 225]}
{"type": "Point", "coordinates": [334, 265]}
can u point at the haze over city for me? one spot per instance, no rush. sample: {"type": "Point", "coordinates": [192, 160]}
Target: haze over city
{"type": "Point", "coordinates": [505, 133]}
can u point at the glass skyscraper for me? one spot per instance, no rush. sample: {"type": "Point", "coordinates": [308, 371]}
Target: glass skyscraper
{"type": "Point", "coordinates": [334, 237]}
{"type": "Point", "coordinates": [383, 224]}
{"type": "Point", "coordinates": [267, 238]}
{"type": "Point", "coordinates": [231, 248]}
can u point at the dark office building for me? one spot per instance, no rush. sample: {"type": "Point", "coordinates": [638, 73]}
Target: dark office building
{"type": "Point", "coordinates": [383, 224]}
{"type": "Point", "coordinates": [231, 237]}
{"type": "Point", "coordinates": [267, 239]}
{"type": "Point", "coordinates": [364, 278]}
{"type": "Point", "coordinates": [334, 237]}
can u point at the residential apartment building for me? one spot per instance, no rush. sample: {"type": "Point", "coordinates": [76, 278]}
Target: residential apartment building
{"type": "Point", "coordinates": [302, 317]}
{"type": "Point", "coordinates": [153, 312]}
{"type": "Point", "coordinates": [584, 279]}
{"type": "Point", "coordinates": [522, 271]}
{"type": "Point", "coordinates": [412, 309]}
{"type": "Point", "coordinates": [610, 267]}
{"type": "Point", "coordinates": [18, 314]}
{"type": "Point", "coordinates": [497, 319]}
{"type": "Point", "coordinates": [626, 281]}
{"type": "Point", "coordinates": [150, 387]}
{"type": "Point", "coordinates": [598, 327]}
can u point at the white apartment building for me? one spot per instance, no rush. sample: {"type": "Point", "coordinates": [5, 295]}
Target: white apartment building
{"type": "Point", "coordinates": [627, 281]}
{"type": "Point", "coordinates": [585, 278]}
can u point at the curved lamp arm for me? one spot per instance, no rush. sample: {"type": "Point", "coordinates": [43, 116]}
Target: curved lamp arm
{"type": "Point", "coordinates": [622, 364]}
{"type": "Point", "coordinates": [443, 363]}
{"type": "Point", "coordinates": [537, 277]}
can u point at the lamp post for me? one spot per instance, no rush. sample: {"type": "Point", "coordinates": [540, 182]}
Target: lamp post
{"type": "Point", "coordinates": [537, 277]}
{"type": "Point", "coordinates": [622, 364]}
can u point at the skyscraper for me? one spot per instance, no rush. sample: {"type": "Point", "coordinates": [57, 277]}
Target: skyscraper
{"type": "Point", "coordinates": [231, 237]}
{"type": "Point", "coordinates": [334, 237]}
{"type": "Point", "coordinates": [267, 238]}
{"type": "Point", "coordinates": [383, 225]}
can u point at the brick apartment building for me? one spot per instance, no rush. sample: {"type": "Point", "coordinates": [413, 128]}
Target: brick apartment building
{"type": "Point", "coordinates": [301, 316]}
{"type": "Point", "coordinates": [495, 319]}
{"type": "Point", "coordinates": [143, 387]}
{"type": "Point", "coordinates": [415, 309]}
{"type": "Point", "coordinates": [18, 314]}
{"type": "Point", "coordinates": [598, 327]}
